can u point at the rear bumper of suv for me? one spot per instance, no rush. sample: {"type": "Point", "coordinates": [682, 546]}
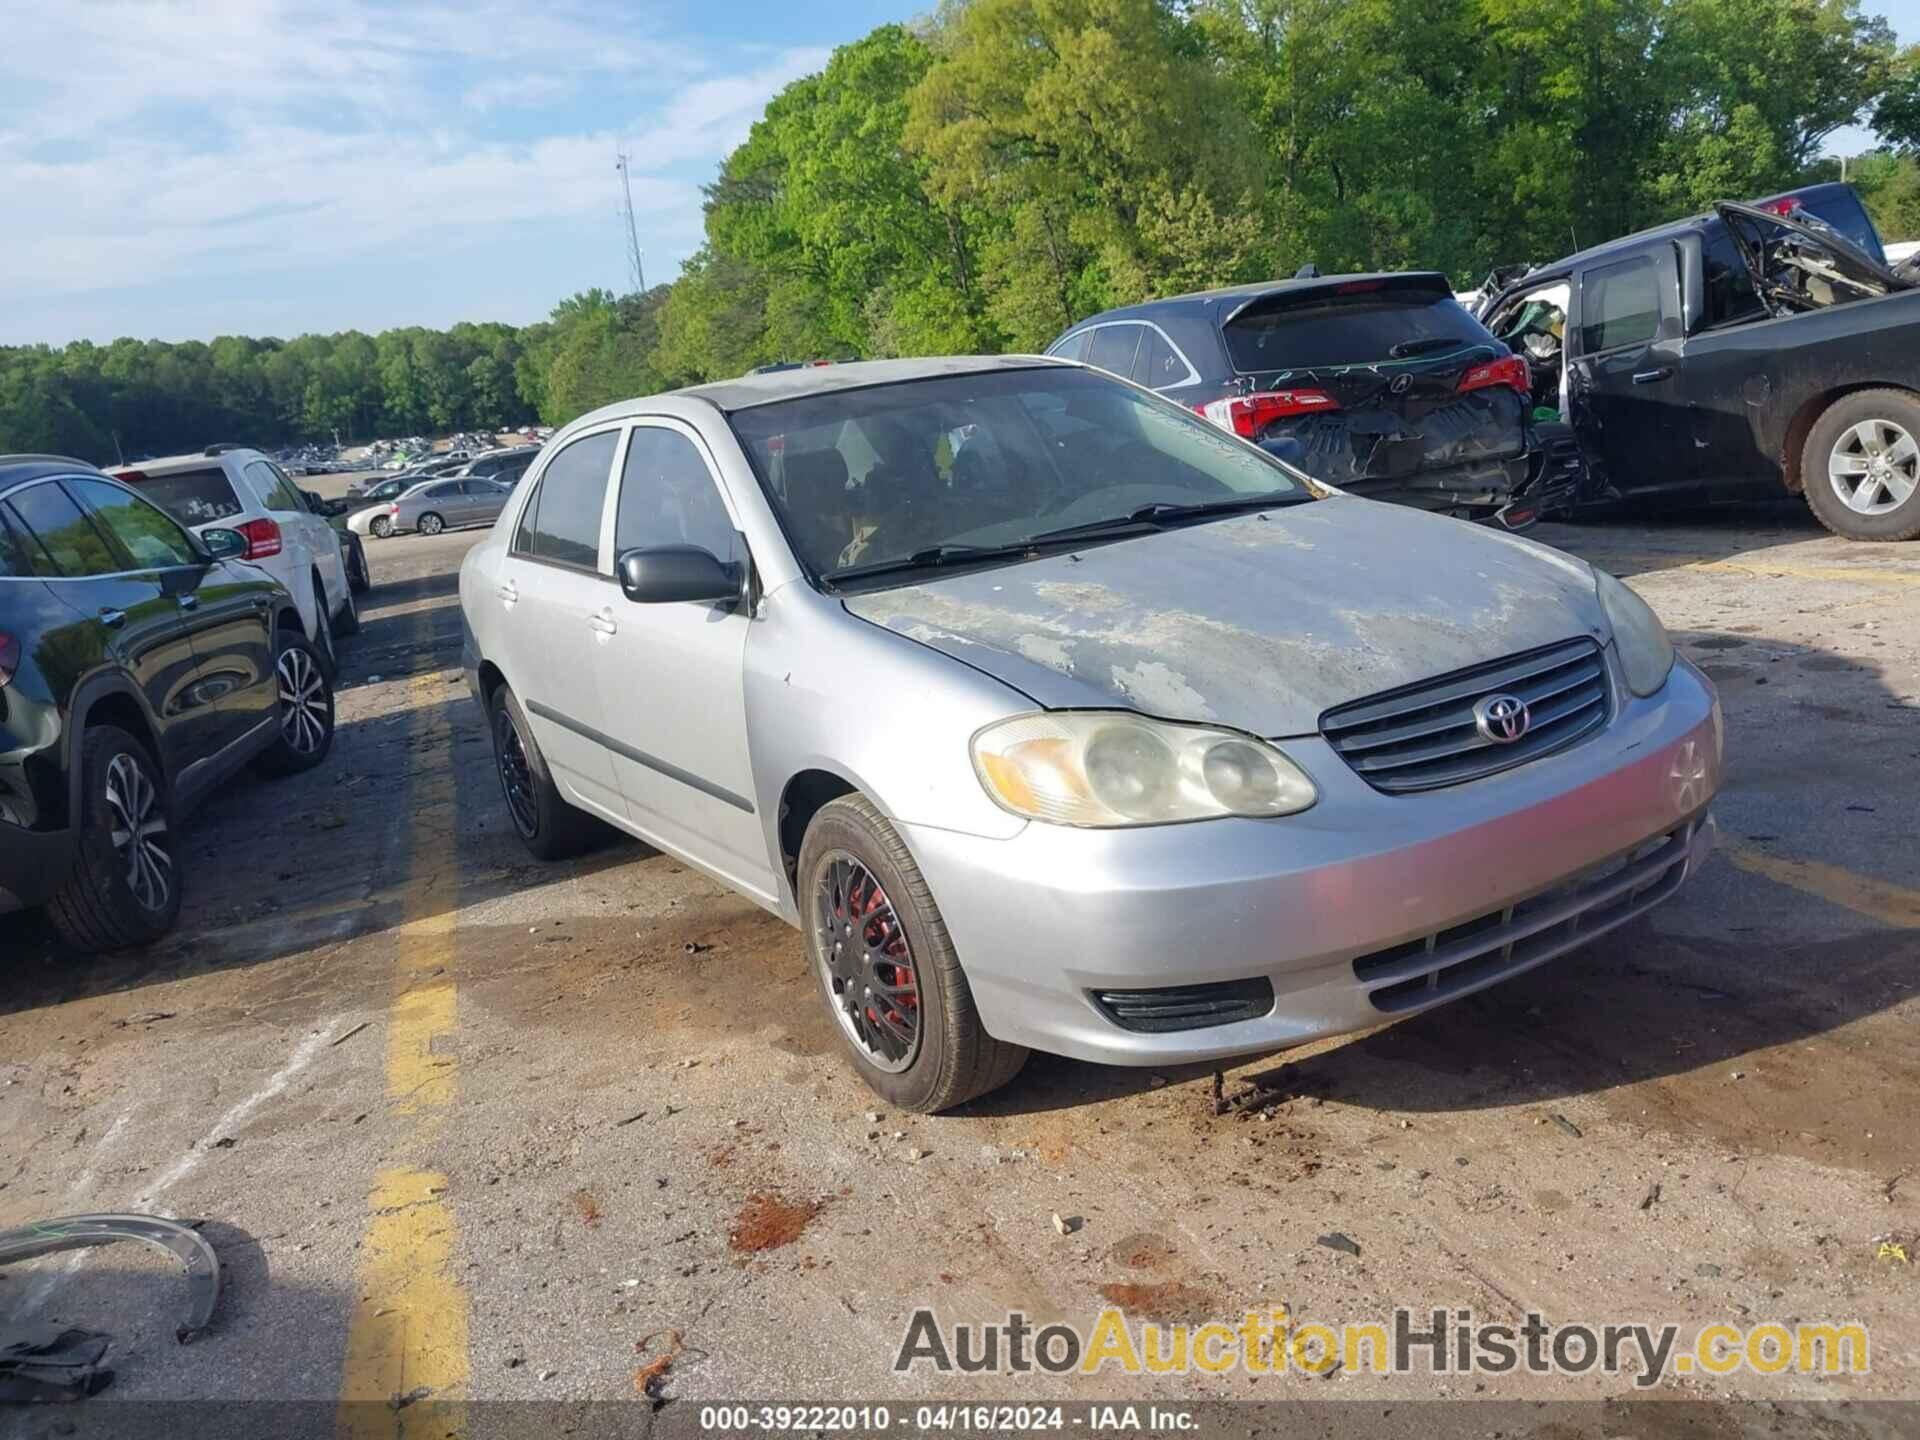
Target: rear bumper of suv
{"type": "Point", "coordinates": [32, 864]}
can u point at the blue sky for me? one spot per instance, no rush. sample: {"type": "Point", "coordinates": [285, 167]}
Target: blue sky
{"type": "Point", "coordinates": [188, 168]}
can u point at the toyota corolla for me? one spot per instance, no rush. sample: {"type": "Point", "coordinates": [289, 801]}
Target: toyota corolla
{"type": "Point", "coordinates": [1057, 718]}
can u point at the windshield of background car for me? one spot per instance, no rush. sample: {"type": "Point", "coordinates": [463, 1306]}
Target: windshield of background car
{"type": "Point", "coordinates": [1362, 329]}
{"type": "Point", "coordinates": [864, 477]}
{"type": "Point", "coordinates": [193, 497]}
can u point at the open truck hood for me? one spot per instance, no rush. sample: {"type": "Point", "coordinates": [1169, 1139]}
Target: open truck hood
{"type": "Point", "coordinates": [1261, 622]}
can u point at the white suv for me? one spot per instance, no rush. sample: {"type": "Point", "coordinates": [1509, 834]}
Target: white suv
{"type": "Point", "coordinates": [241, 489]}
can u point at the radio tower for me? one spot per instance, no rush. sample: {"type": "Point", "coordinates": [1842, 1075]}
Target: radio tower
{"type": "Point", "coordinates": [635, 268]}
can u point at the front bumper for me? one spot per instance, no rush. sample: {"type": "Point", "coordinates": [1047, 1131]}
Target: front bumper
{"type": "Point", "coordinates": [1045, 919]}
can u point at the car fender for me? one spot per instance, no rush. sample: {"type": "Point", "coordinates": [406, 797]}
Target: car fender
{"type": "Point", "coordinates": [86, 695]}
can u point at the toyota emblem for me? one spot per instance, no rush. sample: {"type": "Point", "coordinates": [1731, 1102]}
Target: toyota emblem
{"type": "Point", "coordinates": [1501, 719]}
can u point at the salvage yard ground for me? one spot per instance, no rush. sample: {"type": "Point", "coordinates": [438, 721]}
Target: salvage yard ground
{"type": "Point", "coordinates": [466, 1125]}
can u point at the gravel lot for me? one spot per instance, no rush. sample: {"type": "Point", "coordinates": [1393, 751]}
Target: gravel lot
{"type": "Point", "coordinates": [583, 1093]}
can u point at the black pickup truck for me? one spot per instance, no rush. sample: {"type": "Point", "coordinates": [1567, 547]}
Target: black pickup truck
{"type": "Point", "coordinates": [1760, 348]}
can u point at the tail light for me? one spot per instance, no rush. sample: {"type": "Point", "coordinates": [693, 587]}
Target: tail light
{"type": "Point", "coordinates": [9, 657]}
{"type": "Point", "coordinates": [1508, 370]}
{"type": "Point", "coordinates": [129, 477]}
{"type": "Point", "coordinates": [1247, 415]}
{"type": "Point", "coordinates": [1781, 207]}
{"type": "Point", "coordinates": [262, 537]}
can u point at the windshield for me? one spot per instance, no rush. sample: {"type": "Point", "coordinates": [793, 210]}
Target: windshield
{"type": "Point", "coordinates": [866, 477]}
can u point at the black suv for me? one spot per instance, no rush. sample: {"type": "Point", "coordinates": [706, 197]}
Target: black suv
{"type": "Point", "coordinates": [140, 666]}
{"type": "Point", "coordinates": [1381, 384]}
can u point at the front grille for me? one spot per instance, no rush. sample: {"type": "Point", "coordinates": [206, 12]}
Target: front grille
{"type": "Point", "coordinates": [1423, 737]}
{"type": "Point", "coordinates": [1186, 1007]}
{"type": "Point", "coordinates": [1503, 942]}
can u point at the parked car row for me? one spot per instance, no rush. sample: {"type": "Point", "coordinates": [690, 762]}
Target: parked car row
{"type": "Point", "coordinates": [143, 663]}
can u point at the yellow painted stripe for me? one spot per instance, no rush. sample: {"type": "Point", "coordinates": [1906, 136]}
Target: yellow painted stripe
{"type": "Point", "coordinates": [1649, 563]}
{"type": "Point", "coordinates": [1877, 899]}
{"type": "Point", "coordinates": [408, 1329]}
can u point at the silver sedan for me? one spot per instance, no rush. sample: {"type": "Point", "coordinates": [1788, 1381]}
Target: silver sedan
{"type": "Point", "coordinates": [433, 506]}
{"type": "Point", "coordinates": [1055, 718]}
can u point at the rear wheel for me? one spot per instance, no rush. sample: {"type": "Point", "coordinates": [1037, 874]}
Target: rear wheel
{"type": "Point", "coordinates": [323, 629]}
{"type": "Point", "coordinates": [547, 825]}
{"type": "Point", "coordinates": [347, 622]}
{"type": "Point", "coordinates": [431, 524]}
{"type": "Point", "coordinates": [887, 966]}
{"type": "Point", "coordinates": [124, 888]}
{"type": "Point", "coordinates": [382, 526]}
{"type": "Point", "coordinates": [1860, 468]}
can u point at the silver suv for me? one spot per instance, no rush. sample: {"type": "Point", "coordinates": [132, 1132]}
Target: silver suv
{"type": "Point", "coordinates": [1056, 717]}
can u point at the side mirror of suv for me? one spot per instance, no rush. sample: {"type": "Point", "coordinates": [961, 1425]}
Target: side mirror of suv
{"type": "Point", "coordinates": [664, 574]}
{"type": "Point", "coordinates": [222, 543]}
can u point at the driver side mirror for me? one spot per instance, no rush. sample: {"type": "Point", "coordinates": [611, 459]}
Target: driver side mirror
{"type": "Point", "coordinates": [665, 574]}
{"type": "Point", "coordinates": [223, 544]}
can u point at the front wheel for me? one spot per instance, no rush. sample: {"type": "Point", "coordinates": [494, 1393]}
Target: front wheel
{"type": "Point", "coordinates": [431, 524]}
{"type": "Point", "coordinates": [887, 967]}
{"type": "Point", "coordinates": [1860, 468]}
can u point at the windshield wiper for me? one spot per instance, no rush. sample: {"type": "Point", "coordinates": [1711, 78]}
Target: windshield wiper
{"type": "Point", "coordinates": [1160, 511]}
{"type": "Point", "coordinates": [930, 558]}
{"type": "Point", "coordinates": [1423, 346]}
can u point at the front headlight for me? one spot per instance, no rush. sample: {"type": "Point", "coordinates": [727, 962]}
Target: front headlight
{"type": "Point", "coordinates": [1107, 769]}
{"type": "Point", "coordinates": [1646, 654]}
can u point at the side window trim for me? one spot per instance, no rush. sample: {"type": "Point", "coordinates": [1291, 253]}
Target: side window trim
{"type": "Point", "coordinates": [603, 567]}
{"type": "Point", "coordinates": [1192, 376]}
{"type": "Point", "coordinates": [76, 494]}
{"type": "Point", "coordinates": [108, 542]}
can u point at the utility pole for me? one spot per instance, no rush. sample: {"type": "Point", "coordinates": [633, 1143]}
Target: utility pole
{"type": "Point", "coordinates": [635, 257]}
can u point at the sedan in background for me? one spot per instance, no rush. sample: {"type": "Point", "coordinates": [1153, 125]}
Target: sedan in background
{"type": "Point", "coordinates": [432, 507]}
{"type": "Point", "coordinates": [1058, 718]}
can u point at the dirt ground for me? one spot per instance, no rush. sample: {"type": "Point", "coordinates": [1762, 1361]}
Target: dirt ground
{"type": "Point", "coordinates": [464, 1126]}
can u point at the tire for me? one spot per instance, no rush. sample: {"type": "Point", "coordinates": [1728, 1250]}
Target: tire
{"type": "Point", "coordinates": [430, 524]}
{"type": "Point", "coordinates": [381, 526]}
{"type": "Point", "coordinates": [1878, 432]}
{"type": "Point", "coordinates": [304, 712]}
{"type": "Point", "coordinates": [347, 622]}
{"type": "Point", "coordinates": [951, 1058]}
{"type": "Point", "coordinates": [323, 640]}
{"type": "Point", "coordinates": [359, 577]}
{"type": "Point", "coordinates": [100, 906]}
{"type": "Point", "coordinates": [547, 825]}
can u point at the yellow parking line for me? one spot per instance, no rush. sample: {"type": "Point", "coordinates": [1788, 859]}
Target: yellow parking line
{"type": "Point", "coordinates": [1877, 899]}
{"type": "Point", "coordinates": [1654, 562]}
{"type": "Point", "coordinates": [408, 1330]}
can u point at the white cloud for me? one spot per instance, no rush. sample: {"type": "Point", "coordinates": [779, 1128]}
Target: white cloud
{"type": "Point", "coordinates": [227, 138]}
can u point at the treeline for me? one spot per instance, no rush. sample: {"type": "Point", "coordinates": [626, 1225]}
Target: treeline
{"type": "Point", "coordinates": [983, 178]}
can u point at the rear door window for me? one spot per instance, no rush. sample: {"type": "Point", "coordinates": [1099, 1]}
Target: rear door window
{"type": "Point", "coordinates": [193, 497]}
{"type": "Point", "coordinates": [65, 532]}
{"type": "Point", "coordinates": [275, 491]}
{"type": "Point", "coordinates": [1074, 347]}
{"type": "Point", "coordinates": [1158, 364]}
{"type": "Point", "coordinates": [1114, 347]}
{"type": "Point", "coordinates": [20, 554]}
{"type": "Point", "coordinates": [1620, 305]}
{"type": "Point", "coordinates": [1323, 330]}
{"type": "Point", "coordinates": [147, 534]}
{"type": "Point", "coordinates": [562, 520]}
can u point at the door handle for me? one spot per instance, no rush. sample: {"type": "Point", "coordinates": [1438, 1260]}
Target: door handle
{"type": "Point", "coordinates": [508, 592]}
{"type": "Point", "coordinates": [603, 621]}
{"type": "Point", "coordinates": [1648, 377]}
{"type": "Point", "coordinates": [113, 619]}
{"type": "Point", "coordinates": [189, 602]}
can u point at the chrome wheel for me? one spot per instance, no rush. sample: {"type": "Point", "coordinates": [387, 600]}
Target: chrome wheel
{"type": "Point", "coordinates": [1874, 467]}
{"type": "Point", "coordinates": [382, 528]}
{"type": "Point", "coordinates": [516, 775]}
{"type": "Point", "coordinates": [138, 828]}
{"type": "Point", "coordinates": [431, 524]}
{"type": "Point", "coordinates": [866, 962]}
{"type": "Point", "coordinates": [303, 702]}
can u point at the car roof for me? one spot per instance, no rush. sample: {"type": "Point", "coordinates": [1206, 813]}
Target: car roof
{"type": "Point", "coordinates": [18, 469]}
{"type": "Point", "coordinates": [168, 464]}
{"type": "Point", "coordinates": [745, 391]}
{"type": "Point", "coordinates": [1233, 297]}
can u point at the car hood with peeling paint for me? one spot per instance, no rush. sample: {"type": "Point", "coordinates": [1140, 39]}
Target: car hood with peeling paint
{"type": "Point", "coordinates": [1261, 622]}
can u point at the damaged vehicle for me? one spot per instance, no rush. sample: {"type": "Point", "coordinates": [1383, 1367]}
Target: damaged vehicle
{"type": "Point", "coordinates": [1058, 718]}
{"type": "Point", "coordinates": [1760, 349]}
{"type": "Point", "coordinates": [1383, 385]}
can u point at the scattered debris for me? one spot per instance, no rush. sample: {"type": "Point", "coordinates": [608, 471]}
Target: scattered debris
{"type": "Point", "coordinates": [145, 1017]}
{"type": "Point", "coordinates": [548, 1374]}
{"type": "Point", "coordinates": [1564, 1125]}
{"type": "Point", "coordinates": [1066, 1224]}
{"type": "Point", "coordinates": [412, 1397]}
{"type": "Point", "coordinates": [225, 1142]}
{"type": "Point", "coordinates": [637, 1115]}
{"type": "Point", "coordinates": [916, 1156]}
{"type": "Point", "coordinates": [1345, 1244]}
{"type": "Point", "coordinates": [649, 1378]}
{"type": "Point", "coordinates": [1892, 1250]}
{"type": "Point", "coordinates": [588, 1208]}
{"type": "Point", "coordinates": [768, 1222]}
{"type": "Point", "coordinates": [341, 1040]}
{"type": "Point", "coordinates": [45, 1363]}
{"type": "Point", "coordinates": [79, 1232]}
{"type": "Point", "coordinates": [1707, 1271]}
{"type": "Point", "coordinates": [1739, 1074]}
{"type": "Point", "coordinates": [873, 1117]}
{"type": "Point", "coordinates": [1653, 1194]}
{"type": "Point", "coordinates": [1167, 1300]}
